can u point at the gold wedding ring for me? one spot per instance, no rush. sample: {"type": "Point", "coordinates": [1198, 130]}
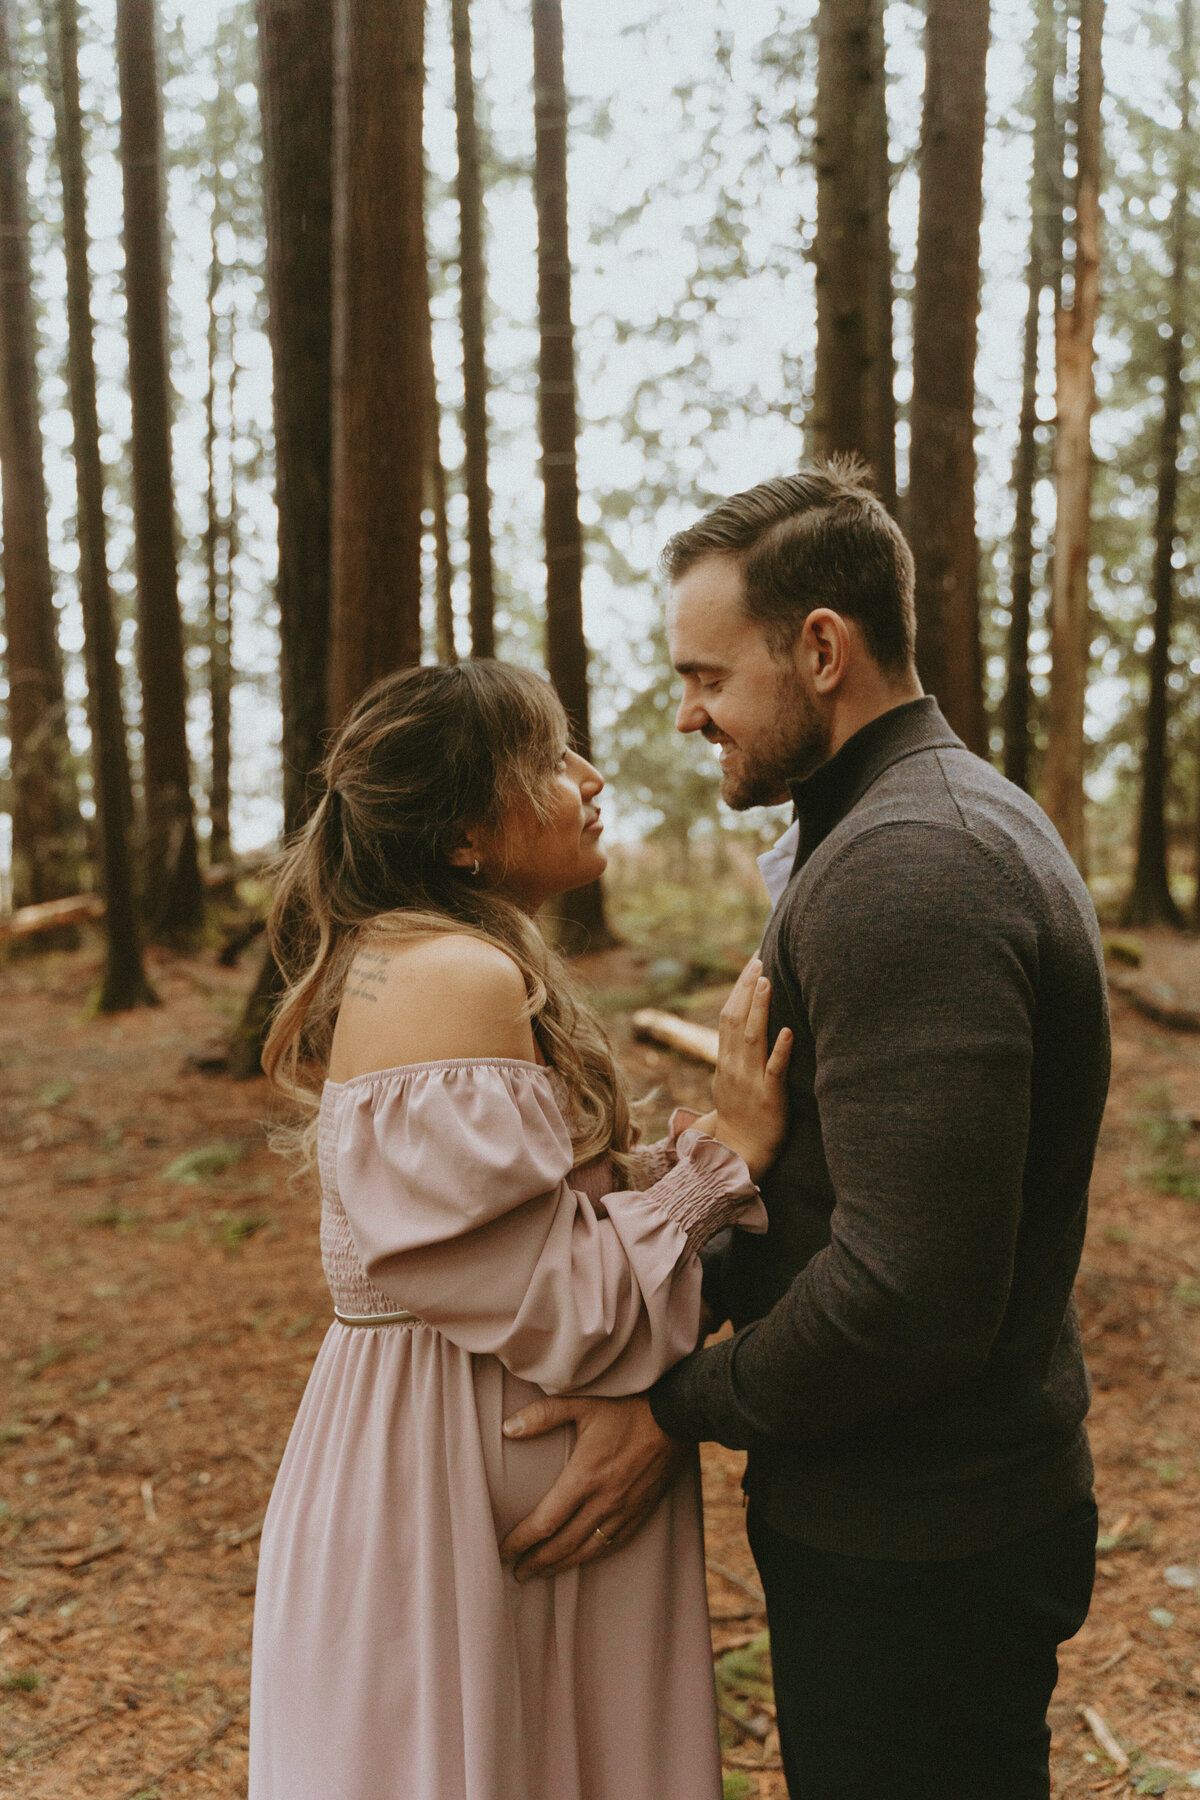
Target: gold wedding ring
{"type": "Point", "coordinates": [598, 1533]}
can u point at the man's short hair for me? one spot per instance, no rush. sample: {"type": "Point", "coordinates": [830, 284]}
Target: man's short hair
{"type": "Point", "coordinates": [816, 538]}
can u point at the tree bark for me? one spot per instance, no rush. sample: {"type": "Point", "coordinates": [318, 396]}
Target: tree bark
{"type": "Point", "coordinates": [295, 40]}
{"type": "Point", "coordinates": [1043, 269]}
{"type": "Point", "coordinates": [941, 496]}
{"type": "Point", "coordinates": [1075, 326]}
{"type": "Point", "coordinates": [1150, 901]}
{"type": "Point", "coordinates": [45, 810]}
{"type": "Point", "coordinates": [379, 385]}
{"type": "Point", "coordinates": [475, 375]}
{"type": "Point", "coordinates": [173, 888]}
{"type": "Point", "coordinates": [566, 650]}
{"type": "Point", "coordinates": [296, 48]}
{"type": "Point", "coordinates": [854, 405]}
{"type": "Point", "coordinates": [435, 484]}
{"type": "Point", "coordinates": [219, 536]}
{"type": "Point", "coordinates": [124, 983]}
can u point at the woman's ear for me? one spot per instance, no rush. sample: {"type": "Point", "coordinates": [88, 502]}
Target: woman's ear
{"type": "Point", "coordinates": [467, 852]}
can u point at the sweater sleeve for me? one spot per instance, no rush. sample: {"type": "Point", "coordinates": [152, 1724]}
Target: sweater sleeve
{"type": "Point", "coordinates": [455, 1182]}
{"type": "Point", "coordinates": [916, 960]}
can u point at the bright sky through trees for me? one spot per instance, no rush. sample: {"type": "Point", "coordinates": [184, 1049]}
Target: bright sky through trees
{"type": "Point", "coordinates": [681, 397]}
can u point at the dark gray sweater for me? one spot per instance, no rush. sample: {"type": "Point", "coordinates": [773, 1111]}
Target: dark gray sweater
{"type": "Point", "coordinates": [906, 1371]}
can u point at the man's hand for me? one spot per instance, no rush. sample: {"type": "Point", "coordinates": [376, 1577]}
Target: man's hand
{"type": "Point", "coordinates": [621, 1466]}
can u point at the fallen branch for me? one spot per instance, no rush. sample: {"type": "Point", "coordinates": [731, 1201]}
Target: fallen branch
{"type": "Point", "coordinates": [189, 1756]}
{"type": "Point", "coordinates": [1110, 1662]}
{"type": "Point", "coordinates": [75, 909]}
{"type": "Point", "coordinates": [77, 1558]}
{"type": "Point", "coordinates": [1104, 1738]}
{"type": "Point", "coordinates": [739, 1581]}
{"type": "Point", "coordinates": [28, 921]}
{"type": "Point", "coordinates": [697, 1041]}
{"type": "Point", "coordinates": [1157, 1001]}
{"type": "Point", "coordinates": [54, 1735]}
{"type": "Point", "coordinates": [229, 1540]}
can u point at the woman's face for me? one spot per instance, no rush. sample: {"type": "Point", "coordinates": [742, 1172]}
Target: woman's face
{"type": "Point", "coordinates": [535, 859]}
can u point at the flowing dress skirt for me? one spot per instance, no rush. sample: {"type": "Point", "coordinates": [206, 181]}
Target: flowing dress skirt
{"type": "Point", "coordinates": [395, 1658]}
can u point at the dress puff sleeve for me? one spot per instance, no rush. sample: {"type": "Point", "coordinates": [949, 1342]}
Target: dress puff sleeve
{"type": "Point", "coordinates": [454, 1177]}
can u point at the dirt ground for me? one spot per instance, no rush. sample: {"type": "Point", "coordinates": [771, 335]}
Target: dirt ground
{"type": "Point", "coordinates": [164, 1303]}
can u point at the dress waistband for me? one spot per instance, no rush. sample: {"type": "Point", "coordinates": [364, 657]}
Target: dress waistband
{"type": "Point", "coordinates": [374, 1321]}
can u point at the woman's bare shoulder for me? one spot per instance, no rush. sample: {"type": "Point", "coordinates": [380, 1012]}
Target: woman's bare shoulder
{"type": "Point", "coordinates": [429, 999]}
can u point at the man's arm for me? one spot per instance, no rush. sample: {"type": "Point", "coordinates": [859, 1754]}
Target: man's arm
{"type": "Point", "coordinates": [916, 957]}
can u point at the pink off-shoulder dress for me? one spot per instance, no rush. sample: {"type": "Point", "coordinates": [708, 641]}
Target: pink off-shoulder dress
{"type": "Point", "coordinates": [395, 1657]}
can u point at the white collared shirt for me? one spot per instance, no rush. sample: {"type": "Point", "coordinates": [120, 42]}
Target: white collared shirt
{"type": "Point", "coordinates": [775, 864]}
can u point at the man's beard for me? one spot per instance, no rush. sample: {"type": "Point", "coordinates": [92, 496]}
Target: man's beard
{"type": "Point", "coordinates": [797, 744]}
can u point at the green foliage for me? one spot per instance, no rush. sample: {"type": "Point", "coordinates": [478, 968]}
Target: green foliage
{"type": "Point", "coordinates": [114, 1218]}
{"type": "Point", "coordinates": [744, 1685]}
{"type": "Point", "coordinates": [200, 1165]}
{"type": "Point", "coordinates": [55, 1092]}
{"type": "Point", "coordinates": [21, 1681]}
{"type": "Point", "coordinates": [736, 1786]}
{"type": "Point", "coordinates": [703, 907]}
{"type": "Point", "coordinates": [1172, 1169]}
{"type": "Point", "coordinates": [46, 1358]}
{"type": "Point", "coordinates": [233, 1229]}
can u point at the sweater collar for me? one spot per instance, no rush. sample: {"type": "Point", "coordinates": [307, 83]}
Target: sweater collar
{"type": "Point", "coordinates": [824, 798]}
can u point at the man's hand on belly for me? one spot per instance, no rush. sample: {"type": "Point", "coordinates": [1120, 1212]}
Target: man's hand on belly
{"type": "Point", "coordinates": [621, 1466]}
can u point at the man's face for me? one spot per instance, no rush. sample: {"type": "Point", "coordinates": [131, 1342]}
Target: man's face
{"type": "Point", "coordinates": [739, 696]}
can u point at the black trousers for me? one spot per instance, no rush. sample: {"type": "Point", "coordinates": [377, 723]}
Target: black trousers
{"type": "Point", "coordinates": [922, 1681]}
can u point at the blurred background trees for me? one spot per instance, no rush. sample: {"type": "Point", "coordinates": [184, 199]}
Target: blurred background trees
{"type": "Point", "coordinates": [337, 335]}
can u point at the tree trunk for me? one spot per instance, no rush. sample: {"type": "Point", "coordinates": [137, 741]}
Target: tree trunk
{"type": "Point", "coordinates": [296, 47]}
{"type": "Point", "coordinates": [174, 890]}
{"type": "Point", "coordinates": [296, 96]}
{"type": "Point", "coordinates": [435, 484]}
{"type": "Point", "coordinates": [1045, 256]}
{"type": "Point", "coordinates": [379, 384]}
{"type": "Point", "coordinates": [45, 809]}
{"type": "Point", "coordinates": [854, 406]}
{"type": "Point", "coordinates": [218, 692]}
{"type": "Point", "coordinates": [941, 496]}
{"type": "Point", "coordinates": [1070, 633]}
{"type": "Point", "coordinates": [566, 650]}
{"type": "Point", "coordinates": [475, 375]}
{"type": "Point", "coordinates": [124, 983]}
{"type": "Point", "coordinates": [1150, 901]}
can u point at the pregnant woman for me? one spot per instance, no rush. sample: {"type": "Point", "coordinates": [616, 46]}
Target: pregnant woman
{"type": "Point", "coordinates": [490, 1233]}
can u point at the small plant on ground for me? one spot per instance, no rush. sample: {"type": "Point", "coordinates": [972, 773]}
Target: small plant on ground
{"type": "Point", "coordinates": [1171, 1169]}
{"type": "Point", "coordinates": [202, 1163]}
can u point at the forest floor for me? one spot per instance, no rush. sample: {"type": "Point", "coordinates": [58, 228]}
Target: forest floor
{"type": "Point", "coordinates": [165, 1303]}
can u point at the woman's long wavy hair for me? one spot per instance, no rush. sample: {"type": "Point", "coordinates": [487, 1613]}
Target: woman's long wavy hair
{"type": "Point", "coordinates": [424, 756]}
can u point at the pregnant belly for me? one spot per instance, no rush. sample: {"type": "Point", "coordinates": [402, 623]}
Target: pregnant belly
{"type": "Point", "coordinates": [518, 1471]}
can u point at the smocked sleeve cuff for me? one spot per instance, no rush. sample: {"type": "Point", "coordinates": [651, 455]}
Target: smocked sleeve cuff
{"type": "Point", "coordinates": [653, 1161]}
{"type": "Point", "coordinates": [709, 1188]}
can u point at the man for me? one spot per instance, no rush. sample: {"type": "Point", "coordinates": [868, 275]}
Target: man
{"type": "Point", "coordinates": [905, 1370]}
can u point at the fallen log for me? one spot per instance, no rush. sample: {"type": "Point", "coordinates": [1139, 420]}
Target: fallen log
{"type": "Point", "coordinates": [1157, 1001]}
{"type": "Point", "coordinates": [28, 921]}
{"type": "Point", "coordinates": [697, 1041]}
{"type": "Point", "coordinates": [76, 909]}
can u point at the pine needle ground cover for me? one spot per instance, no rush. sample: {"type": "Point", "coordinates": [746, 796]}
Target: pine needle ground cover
{"type": "Point", "coordinates": [164, 1307]}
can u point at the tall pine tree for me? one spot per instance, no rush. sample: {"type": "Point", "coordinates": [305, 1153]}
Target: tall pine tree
{"type": "Point", "coordinates": [124, 983]}
{"type": "Point", "coordinates": [566, 649]}
{"type": "Point", "coordinates": [173, 887]}
{"type": "Point", "coordinates": [46, 825]}
{"type": "Point", "coordinates": [941, 494]}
